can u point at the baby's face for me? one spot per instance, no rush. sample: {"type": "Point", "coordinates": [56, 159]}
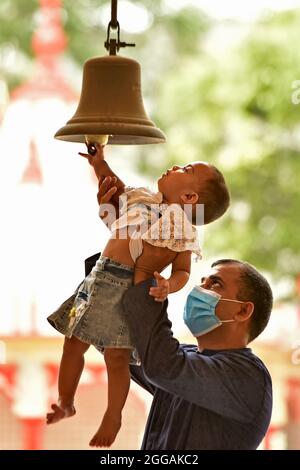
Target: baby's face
{"type": "Point", "coordinates": [183, 179]}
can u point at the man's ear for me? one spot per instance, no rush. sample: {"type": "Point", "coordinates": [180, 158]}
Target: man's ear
{"type": "Point", "coordinates": [247, 309]}
{"type": "Point", "coordinates": [189, 198]}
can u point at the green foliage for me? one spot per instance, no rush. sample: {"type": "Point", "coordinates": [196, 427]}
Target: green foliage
{"type": "Point", "coordinates": [16, 19]}
{"type": "Point", "coordinates": [236, 112]}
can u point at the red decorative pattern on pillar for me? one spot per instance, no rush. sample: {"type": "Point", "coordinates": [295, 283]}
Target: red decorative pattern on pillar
{"type": "Point", "coordinates": [293, 399]}
{"type": "Point", "coordinates": [33, 430]}
{"type": "Point", "coordinates": [293, 410]}
{"type": "Point", "coordinates": [273, 430]}
{"type": "Point", "coordinates": [7, 379]}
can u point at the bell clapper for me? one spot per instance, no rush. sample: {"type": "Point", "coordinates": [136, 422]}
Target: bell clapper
{"type": "Point", "coordinates": [91, 140]}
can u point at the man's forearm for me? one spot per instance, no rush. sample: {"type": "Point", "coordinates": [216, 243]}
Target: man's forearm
{"type": "Point", "coordinates": [156, 344]}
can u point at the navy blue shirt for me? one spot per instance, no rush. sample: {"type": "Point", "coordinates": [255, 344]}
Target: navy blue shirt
{"type": "Point", "coordinates": [214, 399]}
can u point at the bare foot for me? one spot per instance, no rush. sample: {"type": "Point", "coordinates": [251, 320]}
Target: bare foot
{"type": "Point", "coordinates": [108, 430]}
{"type": "Point", "coordinates": [59, 413]}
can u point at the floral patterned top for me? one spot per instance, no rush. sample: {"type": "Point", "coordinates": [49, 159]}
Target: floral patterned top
{"type": "Point", "coordinates": [155, 222]}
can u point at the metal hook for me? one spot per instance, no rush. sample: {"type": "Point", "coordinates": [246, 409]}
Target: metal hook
{"type": "Point", "coordinates": [113, 45]}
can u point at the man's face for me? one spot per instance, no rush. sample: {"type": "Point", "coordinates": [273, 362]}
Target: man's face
{"type": "Point", "coordinates": [225, 279]}
{"type": "Point", "coordinates": [180, 179]}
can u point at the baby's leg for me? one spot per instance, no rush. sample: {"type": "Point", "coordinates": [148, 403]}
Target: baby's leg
{"type": "Point", "coordinates": [71, 366]}
{"type": "Point", "coordinates": [118, 376]}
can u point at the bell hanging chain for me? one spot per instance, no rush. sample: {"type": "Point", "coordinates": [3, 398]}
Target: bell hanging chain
{"type": "Point", "coordinates": [113, 45]}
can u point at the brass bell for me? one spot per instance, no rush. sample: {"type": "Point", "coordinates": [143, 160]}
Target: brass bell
{"type": "Point", "coordinates": [111, 104]}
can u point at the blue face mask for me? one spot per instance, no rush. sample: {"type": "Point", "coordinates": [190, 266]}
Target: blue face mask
{"type": "Point", "coordinates": [199, 311]}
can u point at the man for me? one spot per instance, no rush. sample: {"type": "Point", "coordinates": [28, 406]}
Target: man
{"type": "Point", "coordinates": [213, 395]}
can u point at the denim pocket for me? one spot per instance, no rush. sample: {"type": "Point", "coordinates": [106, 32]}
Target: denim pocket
{"type": "Point", "coordinates": [109, 278]}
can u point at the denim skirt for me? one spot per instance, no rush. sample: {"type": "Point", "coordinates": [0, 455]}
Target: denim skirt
{"type": "Point", "coordinates": [94, 313]}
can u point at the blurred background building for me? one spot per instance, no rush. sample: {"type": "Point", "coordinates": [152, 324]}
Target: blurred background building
{"type": "Point", "coordinates": [220, 78]}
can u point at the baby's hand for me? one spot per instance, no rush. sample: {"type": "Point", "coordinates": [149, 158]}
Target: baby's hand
{"type": "Point", "coordinates": [97, 155]}
{"type": "Point", "coordinates": [160, 293]}
{"type": "Point", "coordinates": [95, 160]}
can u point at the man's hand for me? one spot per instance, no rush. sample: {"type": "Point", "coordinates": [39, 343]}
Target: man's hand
{"type": "Point", "coordinates": [106, 189]}
{"type": "Point", "coordinates": [160, 293]}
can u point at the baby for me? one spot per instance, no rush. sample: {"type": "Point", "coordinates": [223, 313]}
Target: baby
{"type": "Point", "coordinates": [93, 315]}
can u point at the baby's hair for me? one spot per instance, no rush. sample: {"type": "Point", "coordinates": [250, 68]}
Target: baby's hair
{"type": "Point", "coordinates": [215, 197]}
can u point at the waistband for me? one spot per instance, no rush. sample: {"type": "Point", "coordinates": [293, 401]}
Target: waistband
{"type": "Point", "coordinates": [107, 264]}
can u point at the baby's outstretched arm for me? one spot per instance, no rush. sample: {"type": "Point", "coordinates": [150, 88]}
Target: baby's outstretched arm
{"type": "Point", "coordinates": [181, 268]}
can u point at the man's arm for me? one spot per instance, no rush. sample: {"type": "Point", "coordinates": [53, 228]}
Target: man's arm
{"type": "Point", "coordinates": [228, 384]}
{"type": "Point", "coordinates": [137, 374]}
